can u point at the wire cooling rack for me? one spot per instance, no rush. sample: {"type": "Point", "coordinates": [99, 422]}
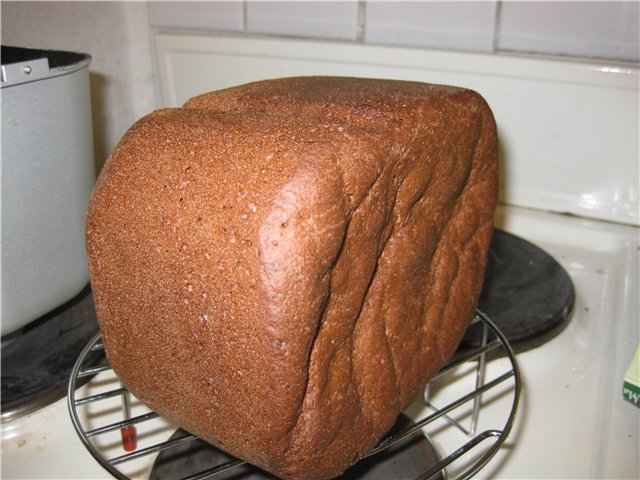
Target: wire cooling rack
{"type": "Point", "coordinates": [481, 446]}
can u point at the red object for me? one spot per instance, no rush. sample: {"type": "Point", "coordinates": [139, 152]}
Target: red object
{"type": "Point", "coordinates": [129, 438]}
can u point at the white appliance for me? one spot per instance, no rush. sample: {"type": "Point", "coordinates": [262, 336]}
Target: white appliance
{"type": "Point", "coordinates": [569, 172]}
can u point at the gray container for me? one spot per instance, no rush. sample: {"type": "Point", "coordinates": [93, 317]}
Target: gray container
{"type": "Point", "coordinates": [48, 171]}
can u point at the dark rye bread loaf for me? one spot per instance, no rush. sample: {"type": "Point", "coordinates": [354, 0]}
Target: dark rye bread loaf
{"type": "Point", "coordinates": [281, 266]}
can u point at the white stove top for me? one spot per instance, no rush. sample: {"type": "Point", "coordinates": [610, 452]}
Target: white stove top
{"type": "Point", "coordinates": [572, 420]}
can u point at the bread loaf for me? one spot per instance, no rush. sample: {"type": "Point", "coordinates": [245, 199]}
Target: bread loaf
{"type": "Point", "coordinates": [280, 267]}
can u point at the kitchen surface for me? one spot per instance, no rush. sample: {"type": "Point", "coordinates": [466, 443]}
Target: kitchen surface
{"type": "Point", "coordinates": [566, 104]}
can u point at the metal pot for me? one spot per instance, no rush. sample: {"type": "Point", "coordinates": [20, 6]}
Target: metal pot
{"type": "Point", "coordinates": [48, 171]}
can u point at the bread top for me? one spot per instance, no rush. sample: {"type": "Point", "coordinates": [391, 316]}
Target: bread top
{"type": "Point", "coordinates": [355, 101]}
{"type": "Point", "coordinates": [279, 267]}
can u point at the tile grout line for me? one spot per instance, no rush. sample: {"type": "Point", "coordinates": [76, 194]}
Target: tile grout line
{"type": "Point", "coordinates": [496, 27]}
{"type": "Point", "coordinates": [360, 26]}
{"type": "Point", "coordinates": [245, 22]}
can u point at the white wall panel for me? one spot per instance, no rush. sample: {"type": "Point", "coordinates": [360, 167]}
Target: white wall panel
{"type": "Point", "coordinates": [227, 16]}
{"type": "Point", "coordinates": [329, 20]}
{"type": "Point", "coordinates": [579, 29]}
{"type": "Point", "coordinates": [448, 25]}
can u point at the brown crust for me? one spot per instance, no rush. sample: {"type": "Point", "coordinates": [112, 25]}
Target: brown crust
{"type": "Point", "coordinates": [281, 266]}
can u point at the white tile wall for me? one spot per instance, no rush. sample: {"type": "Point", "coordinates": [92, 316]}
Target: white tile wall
{"type": "Point", "coordinates": [581, 29]}
{"type": "Point", "coordinates": [448, 25]}
{"type": "Point", "coordinates": [220, 15]}
{"type": "Point", "coordinates": [334, 20]}
{"type": "Point", "coordinates": [587, 29]}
